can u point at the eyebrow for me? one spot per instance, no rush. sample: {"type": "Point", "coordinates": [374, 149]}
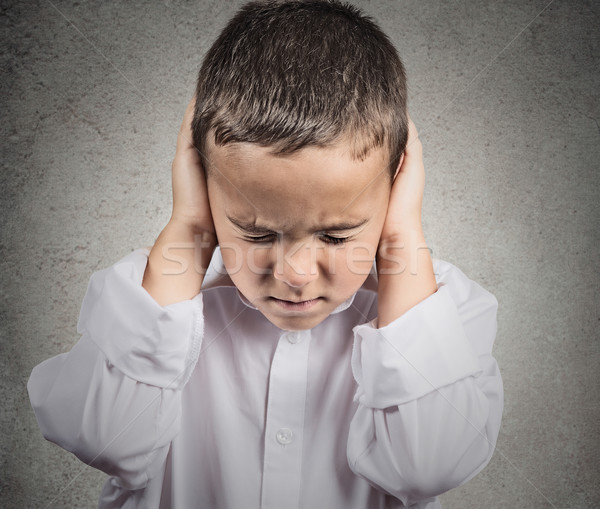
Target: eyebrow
{"type": "Point", "coordinates": [258, 229]}
{"type": "Point", "coordinates": [249, 227]}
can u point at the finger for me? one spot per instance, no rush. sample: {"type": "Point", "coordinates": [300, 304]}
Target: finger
{"type": "Point", "coordinates": [189, 113]}
{"type": "Point", "coordinates": [413, 144]}
{"type": "Point", "coordinates": [185, 138]}
{"type": "Point", "coordinates": [400, 163]}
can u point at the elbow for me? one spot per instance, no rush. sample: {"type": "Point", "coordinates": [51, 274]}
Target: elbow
{"type": "Point", "coordinates": [429, 479]}
{"type": "Point", "coordinates": [474, 460]}
{"type": "Point", "coordinates": [112, 458]}
{"type": "Point", "coordinates": [105, 444]}
{"type": "Point", "coordinates": [131, 472]}
{"type": "Point", "coordinates": [442, 454]}
{"type": "Point", "coordinates": [55, 424]}
{"type": "Point", "coordinates": [458, 461]}
{"type": "Point", "coordinates": [456, 466]}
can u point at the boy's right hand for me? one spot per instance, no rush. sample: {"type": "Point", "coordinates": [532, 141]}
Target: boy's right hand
{"type": "Point", "coordinates": [190, 233]}
{"type": "Point", "coordinates": [190, 196]}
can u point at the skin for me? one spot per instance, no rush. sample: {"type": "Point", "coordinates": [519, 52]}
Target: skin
{"type": "Point", "coordinates": [298, 233]}
{"type": "Point", "coordinates": [298, 229]}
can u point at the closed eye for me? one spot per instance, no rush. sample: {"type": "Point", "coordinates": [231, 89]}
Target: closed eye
{"type": "Point", "coordinates": [329, 239]}
{"type": "Point", "coordinates": [271, 237]}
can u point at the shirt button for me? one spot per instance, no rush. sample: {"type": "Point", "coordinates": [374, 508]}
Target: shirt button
{"type": "Point", "coordinates": [293, 337]}
{"type": "Point", "coordinates": [285, 436]}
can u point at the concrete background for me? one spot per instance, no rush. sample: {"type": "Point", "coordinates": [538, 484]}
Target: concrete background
{"type": "Point", "coordinates": [505, 96]}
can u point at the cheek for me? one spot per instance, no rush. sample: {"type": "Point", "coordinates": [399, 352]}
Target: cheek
{"type": "Point", "coordinates": [350, 266]}
{"type": "Point", "coordinates": [359, 258]}
{"type": "Point", "coordinates": [259, 259]}
{"type": "Point", "coordinates": [233, 257]}
{"type": "Point", "coordinates": [246, 262]}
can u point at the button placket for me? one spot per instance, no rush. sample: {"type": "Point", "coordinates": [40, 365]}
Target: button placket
{"type": "Point", "coordinates": [293, 337]}
{"type": "Point", "coordinates": [284, 431]}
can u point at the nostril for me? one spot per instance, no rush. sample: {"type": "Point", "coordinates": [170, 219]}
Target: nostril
{"type": "Point", "coordinates": [295, 276]}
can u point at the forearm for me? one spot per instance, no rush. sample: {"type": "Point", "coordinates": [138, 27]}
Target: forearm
{"type": "Point", "coordinates": [114, 399]}
{"type": "Point", "coordinates": [108, 420]}
{"type": "Point", "coordinates": [425, 447]}
{"type": "Point", "coordinates": [405, 272]}
{"type": "Point", "coordinates": [430, 392]}
{"type": "Point", "coordinates": [177, 262]}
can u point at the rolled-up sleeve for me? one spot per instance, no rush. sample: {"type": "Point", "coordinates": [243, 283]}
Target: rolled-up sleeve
{"type": "Point", "coordinates": [429, 392]}
{"type": "Point", "coordinates": [114, 399]}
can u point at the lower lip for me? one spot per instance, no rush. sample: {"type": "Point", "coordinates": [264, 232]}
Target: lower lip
{"type": "Point", "coordinates": [305, 305]}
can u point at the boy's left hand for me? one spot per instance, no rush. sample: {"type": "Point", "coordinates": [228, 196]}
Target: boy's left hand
{"type": "Point", "coordinates": [404, 263]}
{"type": "Point", "coordinates": [406, 198]}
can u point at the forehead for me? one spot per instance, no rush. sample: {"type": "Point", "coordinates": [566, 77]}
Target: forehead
{"type": "Point", "coordinates": [314, 184]}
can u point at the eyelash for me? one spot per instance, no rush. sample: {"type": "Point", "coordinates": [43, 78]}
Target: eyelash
{"type": "Point", "coordinates": [333, 240]}
{"type": "Point", "coordinates": [328, 239]}
{"type": "Point", "coordinates": [262, 238]}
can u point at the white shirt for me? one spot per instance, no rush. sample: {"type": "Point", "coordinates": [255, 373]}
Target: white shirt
{"type": "Point", "coordinates": [206, 404]}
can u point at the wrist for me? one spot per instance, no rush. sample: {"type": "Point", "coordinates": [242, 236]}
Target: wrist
{"type": "Point", "coordinates": [400, 251]}
{"type": "Point", "coordinates": [405, 272]}
{"type": "Point", "coordinates": [180, 236]}
{"type": "Point", "coordinates": [178, 261]}
{"type": "Point", "coordinates": [409, 231]}
{"type": "Point", "coordinates": [191, 224]}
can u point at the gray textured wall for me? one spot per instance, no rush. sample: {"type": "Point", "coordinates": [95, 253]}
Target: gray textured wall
{"type": "Point", "coordinates": [505, 96]}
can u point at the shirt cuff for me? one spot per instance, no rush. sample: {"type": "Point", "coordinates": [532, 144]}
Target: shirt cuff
{"type": "Point", "coordinates": [153, 344]}
{"type": "Point", "coordinates": [424, 349]}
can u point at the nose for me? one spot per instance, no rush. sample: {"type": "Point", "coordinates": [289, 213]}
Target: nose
{"type": "Point", "coordinates": [296, 264]}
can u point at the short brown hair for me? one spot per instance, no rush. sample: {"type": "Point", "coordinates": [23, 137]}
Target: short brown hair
{"type": "Point", "coordinates": [291, 74]}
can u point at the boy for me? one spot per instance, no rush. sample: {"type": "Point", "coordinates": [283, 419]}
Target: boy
{"type": "Point", "coordinates": [293, 375]}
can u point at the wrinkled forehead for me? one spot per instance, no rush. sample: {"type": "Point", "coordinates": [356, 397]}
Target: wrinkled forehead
{"type": "Point", "coordinates": [333, 161]}
{"type": "Point", "coordinates": [314, 184]}
{"type": "Point", "coordinates": [351, 145]}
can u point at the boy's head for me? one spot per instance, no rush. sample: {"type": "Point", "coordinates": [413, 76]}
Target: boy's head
{"type": "Point", "coordinates": [301, 122]}
{"type": "Point", "coordinates": [292, 74]}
